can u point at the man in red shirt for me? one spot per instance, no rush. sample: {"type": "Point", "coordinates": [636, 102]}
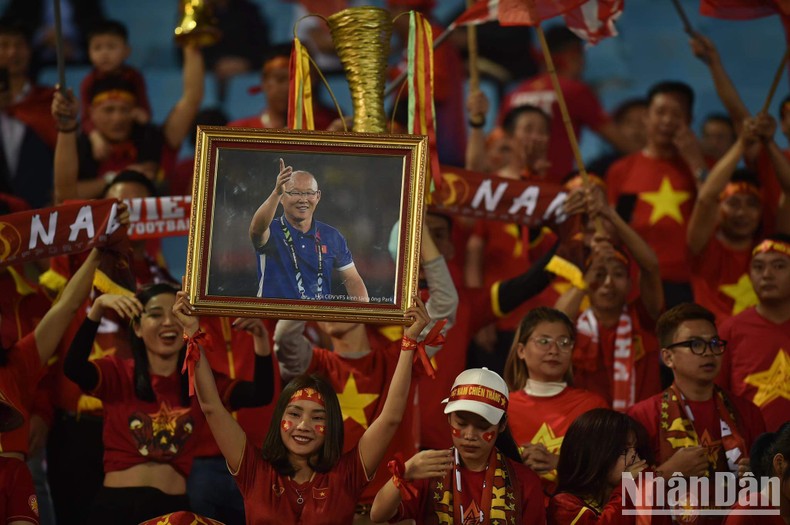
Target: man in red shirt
{"type": "Point", "coordinates": [654, 189]}
{"type": "Point", "coordinates": [758, 365]}
{"type": "Point", "coordinates": [275, 76]}
{"type": "Point", "coordinates": [362, 360]}
{"type": "Point", "coordinates": [695, 427]}
{"type": "Point", "coordinates": [567, 52]}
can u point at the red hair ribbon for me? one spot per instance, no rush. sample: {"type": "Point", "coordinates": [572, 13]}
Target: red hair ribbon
{"type": "Point", "coordinates": [434, 338]}
{"type": "Point", "coordinates": [199, 338]}
{"type": "Point", "coordinates": [398, 470]}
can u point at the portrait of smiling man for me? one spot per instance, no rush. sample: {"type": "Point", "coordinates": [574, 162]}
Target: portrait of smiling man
{"type": "Point", "coordinates": [296, 253]}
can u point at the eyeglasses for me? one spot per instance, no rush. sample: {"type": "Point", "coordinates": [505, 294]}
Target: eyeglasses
{"type": "Point", "coordinates": [698, 346]}
{"type": "Point", "coordinates": [300, 194]}
{"type": "Point", "coordinates": [564, 343]}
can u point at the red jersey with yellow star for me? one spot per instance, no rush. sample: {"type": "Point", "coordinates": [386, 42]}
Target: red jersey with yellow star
{"type": "Point", "coordinates": [545, 420]}
{"type": "Point", "coordinates": [720, 280]}
{"type": "Point", "coordinates": [137, 431]}
{"type": "Point", "coordinates": [665, 192]}
{"type": "Point", "coordinates": [757, 364]}
{"type": "Point", "coordinates": [361, 385]}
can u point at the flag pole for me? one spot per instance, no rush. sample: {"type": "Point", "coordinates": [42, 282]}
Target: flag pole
{"type": "Point", "coordinates": [690, 31]}
{"type": "Point", "coordinates": [566, 118]}
{"type": "Point", "coordinates": [59, 50]}
{"type": "Point", "coordinates": [775, 83]}
{"type": "Point", "coordinates": [471, 36]}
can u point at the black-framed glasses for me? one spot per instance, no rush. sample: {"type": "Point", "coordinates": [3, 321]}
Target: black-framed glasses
{"type": "Point", "coordinates": [299, 194]}
{"type": "Point", "coordinates": [698, 346]}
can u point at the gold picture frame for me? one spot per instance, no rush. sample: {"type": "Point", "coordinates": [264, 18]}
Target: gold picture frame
{"type": "Point", "coordinates": [366, 203]}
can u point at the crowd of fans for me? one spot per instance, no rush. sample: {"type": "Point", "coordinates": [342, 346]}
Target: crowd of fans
{"type": "Point", "coordinates": [654, 337]}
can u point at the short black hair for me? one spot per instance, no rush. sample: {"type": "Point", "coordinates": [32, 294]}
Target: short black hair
{"type": "Point", "coordinates": [278, 50]}
{"type": "Point", "coordinates": [274, 450]}
{"type": "Point", "coordinates": [765, 447]}
{"type": "Point", "coordinates": [512, 116]}
{"type": "Point", "coordinates": [745, 175]}
{"type": "Point", "coordinates": [668, 323]}
{"type": "Point", "coordinates": [627, 105]}
{"type": "Point", "coordinates": [591, 447]}
{"type": "Point", "coordinates": [10, 27]}
{"type": "Point", "coordinates": [560, 38]}
{"type": "Point", "coordinates": [673, 87]}
{"type": "Point", "coordinates": [108, 27]}
{"type": "Point", "coordinates": [135, 177]}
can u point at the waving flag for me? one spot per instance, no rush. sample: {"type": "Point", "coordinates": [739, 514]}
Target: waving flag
{"type": "Point", "coordinates": [591, 20]}
{"type": "Point", "coordinates": [743, 9]}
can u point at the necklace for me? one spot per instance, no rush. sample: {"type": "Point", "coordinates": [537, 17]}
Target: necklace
{"type": "Point", "coordinates": [299, 499]}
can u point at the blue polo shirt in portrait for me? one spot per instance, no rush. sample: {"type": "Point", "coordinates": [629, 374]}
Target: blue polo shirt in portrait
{"type": "Point", "coordinates": [289, 262]}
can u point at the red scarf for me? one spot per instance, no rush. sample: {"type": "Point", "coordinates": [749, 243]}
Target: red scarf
{"type": "Point", "coordinates": [33, 111]}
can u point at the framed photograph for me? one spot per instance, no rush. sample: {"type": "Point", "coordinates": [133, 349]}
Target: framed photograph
{"type": "Point", "coordinates": [305, 224]}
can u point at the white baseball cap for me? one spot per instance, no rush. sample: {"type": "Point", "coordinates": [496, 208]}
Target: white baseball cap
{"type": "Point", "coordinates": [480, 391]}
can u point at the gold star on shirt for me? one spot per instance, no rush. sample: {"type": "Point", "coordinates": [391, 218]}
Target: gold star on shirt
{"type": "Point", "coordinates": [741, 292]}
{"type": "Point", "coordinates": [772, 383]}
{"type": "Point", "coordinates": [545, 435]}
{"type": "Point", "coordinates": [665, 202]}
{"type": "Point", "coordinates": [514, 231]}
{"type": "Point", "coordinates": [98, 352]}
{"type": "Point", "coordinates": [353, 404]}
{"type": "Point", "coordinates": [713, 446]}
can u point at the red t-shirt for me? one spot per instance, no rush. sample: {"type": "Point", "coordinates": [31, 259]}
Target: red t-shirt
{"type": "Point", "coordinates": [17, 496]}
{"type": "Point", "coordinates": [565, 508]}
{"type": "Point", "coordinates": [126, 73]}
{"type": "Point", "coordinates": [329, 498]}
{"type": "Point", "coordinates": [545, 420]}
{"type": "Point", "coordinates": [23, 306]}
{"type": "Point", "coordinates": [720, 279]}
{"type": "Point", "coordinates": [583, 106]}
{"type": "Point", "coordinates": [137, 431]}
{"type": "Point", "coordinates": [18, 380]}
{"type": "Point", "coordinates": [665, 192]}
{"type": "Point", "coordinates": [751, 519]}
{"type": "Point", "coordinates": [756, 364]}
{"type": "Point", "coordinates": [322, 118]}
{"type": "Point", "coordinates": [422, 511]}
{"type": "Point", "coordinates": [233, 356]}
{"type": "Point", "coordinates": [594, 372]}
{"type": "Point", "coordinates": [361, 385]}
{"type": "Point", "coordinates": [706, 422]}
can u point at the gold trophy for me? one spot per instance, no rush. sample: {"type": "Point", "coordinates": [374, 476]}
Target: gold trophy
{"type": "Point", "coordinates": [362, 41]}
{"type": "Point", "coordinates": [197, 24]}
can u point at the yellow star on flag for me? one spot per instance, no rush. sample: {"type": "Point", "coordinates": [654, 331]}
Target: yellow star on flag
{"type": "Point", "coordinates": [741, 292]}
{"type": "Point", "coordinates": [666, 202]}
{"type": "Point", "coordinates": [772, 383]}
{"type": "Point", "coordinates": [353, 404]}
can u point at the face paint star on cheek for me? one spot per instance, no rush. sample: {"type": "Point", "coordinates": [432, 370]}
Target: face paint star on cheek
{"type": "Point", "coordinates": [286, 425]}
{"type": "Point", "coordinates": [321, 429]}
{"type": "Point", "coordinates": [455, 431]}
{"type": "Point", "coordinates": [489, 436]}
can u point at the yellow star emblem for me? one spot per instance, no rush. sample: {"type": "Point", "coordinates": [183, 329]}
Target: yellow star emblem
{"type": "Point", "coordinates": [665, 202]}
{"type": "Point", "coordinates": [712, 445]}
{"type": "Point", "coordinates": [741, 292]}
{"type": "Point", "coordinates": [545, 435]}
{"type": "Point", "coordinates": [98, 352]}
{"type": "Point", "coordinates": [514, 231]}
{"type": "Point", "coordinates": [353, 404]}
{"type": "Point", "coordinates": [772, 383]}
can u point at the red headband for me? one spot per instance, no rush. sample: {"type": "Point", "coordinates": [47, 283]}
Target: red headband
{"type": "Point", "coordinates": [734, 188]}
{"type": "Point", "coordinates": [308, 394]}
{"type": "Point", "coordinates": [479, 393]}
{"type": "Point", "coordinates": [113, 94]}
{"type": "Point", "coordinates": [772, 246]}
{"type": "Point", "coordinates": [620, 256]}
